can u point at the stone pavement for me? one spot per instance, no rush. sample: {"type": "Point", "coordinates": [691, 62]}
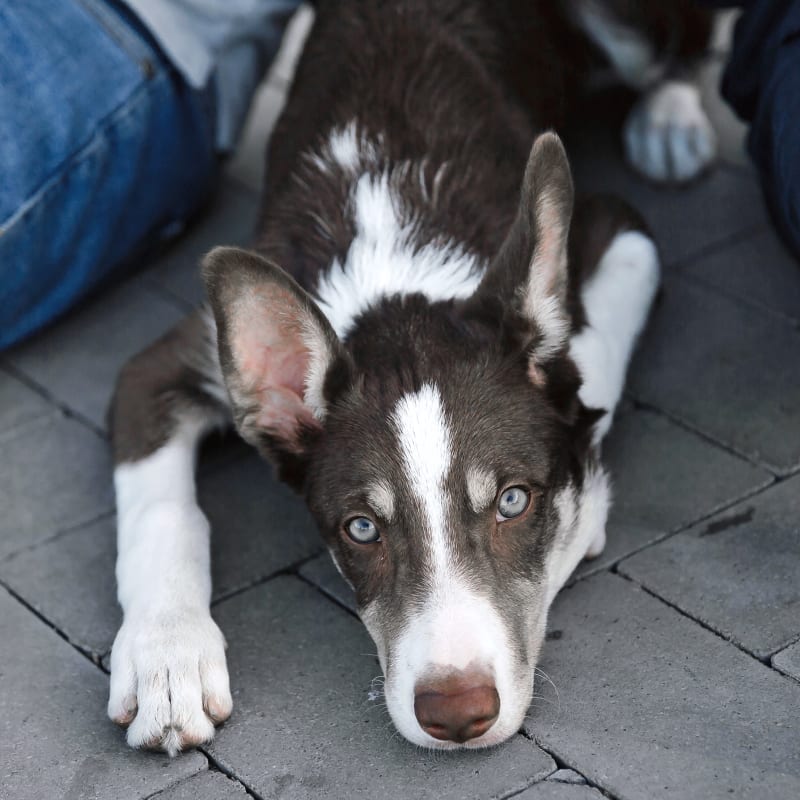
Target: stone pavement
{"type": "Point", "coordinates": [674, 658]}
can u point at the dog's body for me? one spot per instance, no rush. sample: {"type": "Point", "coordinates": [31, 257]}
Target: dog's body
{"type": "Point", "coordinates": [435, 376]}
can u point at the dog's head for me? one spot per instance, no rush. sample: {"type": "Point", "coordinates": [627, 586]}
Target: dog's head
{"type": "Point", "coordinates": [444, 453]}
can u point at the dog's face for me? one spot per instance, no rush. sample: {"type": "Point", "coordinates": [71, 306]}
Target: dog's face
{"type": "Point", "coordinates": [445, 455]}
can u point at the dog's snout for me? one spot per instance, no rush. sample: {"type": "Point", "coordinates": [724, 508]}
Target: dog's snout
{"type": "Point", "coordinates": [458, 708]}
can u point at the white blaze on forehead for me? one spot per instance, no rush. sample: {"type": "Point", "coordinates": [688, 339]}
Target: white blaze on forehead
{"type": "Point", "coordinates": [381, 498]}
{"type": "Point", "coordinates": [481, 488]}
{"type": "Point", "coordinates": [425, 446]}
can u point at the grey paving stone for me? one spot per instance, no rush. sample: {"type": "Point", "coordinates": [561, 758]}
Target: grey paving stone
{"type": "Point", "coordinates": [55, 739]}
{"type": "Point", "coordinates": [726, 369]}
{"type": "Point", "coordinates": [322, 573]}
{"type": "Point", "coordinates": [70, 582]}
{"type": "Point", "coordinates": [205, 786]}
{"type": "Point", "coordinates": [229, 220]}
{"type": "Point", "coordinates": [258, 528]}
{"type": "Point", "coordinates": [650, 705]}
{"type": "Point", "coordinates": [758, 270]}
{"type": "Point", "coordinates": [54, 475]}
{"type": "Point", "coordinates": [788, 661]}
{"type": "Point", "coordinates": [664, 477]}
{"type": "Point", "coordinates": [18, 403]}
{"type": "Point", "coordinates": [551, 790]}
{"type": "Point", "coordinates": [303, 726]}
{"type": "Point", "coordinates": [77, 360]}
{"type": "Point", "coordinates": [739, 573]}
{"type": "Point", "coordinates": [567, 776]}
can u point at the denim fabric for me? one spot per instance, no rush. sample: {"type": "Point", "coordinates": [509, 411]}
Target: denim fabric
{"type": "Point", "coordinates": [103, 148]}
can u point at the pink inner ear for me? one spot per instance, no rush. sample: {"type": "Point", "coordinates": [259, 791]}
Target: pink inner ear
{"type": "Point", "coordinates": [536, 374]}
{"type": "Point", "coordinates": [273, 361]}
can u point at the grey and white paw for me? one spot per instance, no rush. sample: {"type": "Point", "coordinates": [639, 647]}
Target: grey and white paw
{"type": "Point", "coordinates": [169, 681]}
{"type": "Point", "coordinates": [668, 136]}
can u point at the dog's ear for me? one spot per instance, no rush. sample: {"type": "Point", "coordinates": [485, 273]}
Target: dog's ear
{"type": "Point", "coordinates": [275, 348]}
{"type": "Point", "coordinates": [526, 284]}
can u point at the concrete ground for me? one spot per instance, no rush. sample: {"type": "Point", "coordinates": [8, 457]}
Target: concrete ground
{"type": "Point", "coordinates": [674, 658]}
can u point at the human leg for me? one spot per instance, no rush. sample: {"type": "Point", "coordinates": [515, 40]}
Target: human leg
{"type": "Point", "coordinates": [103, 149]}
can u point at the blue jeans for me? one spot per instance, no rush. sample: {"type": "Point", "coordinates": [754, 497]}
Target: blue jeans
{"type": "Point", "coordinates": [103, 150]}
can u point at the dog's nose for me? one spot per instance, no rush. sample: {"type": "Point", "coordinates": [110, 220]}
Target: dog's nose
{"type": "Point", "coordinates": [455, 709]}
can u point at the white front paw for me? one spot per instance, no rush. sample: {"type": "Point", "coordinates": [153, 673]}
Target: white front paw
{"type": "Point", "coordinates": [169, 680]}
{"type": "Point", "coordinates": [668, 136]}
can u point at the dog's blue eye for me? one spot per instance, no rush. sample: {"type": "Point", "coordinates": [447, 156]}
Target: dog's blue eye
{"type": "Point", "coordinates": [512, 503]}
{"type": "Point", "coordinates": [362, 530]}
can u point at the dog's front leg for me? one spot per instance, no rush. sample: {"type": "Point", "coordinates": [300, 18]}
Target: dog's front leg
{"type": "Point", "coordinates": [169, 679]}
{"type": "Point", "coordinates": [616, 292]}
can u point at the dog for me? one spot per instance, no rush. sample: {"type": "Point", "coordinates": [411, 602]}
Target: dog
{"type": "Point", "coordinates": [428, 340]}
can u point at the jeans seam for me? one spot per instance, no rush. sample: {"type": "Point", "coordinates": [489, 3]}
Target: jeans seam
{"type": "Point", "coordinates": [113, 118]}
{"type": "Point", "coordinates": [137, 50]}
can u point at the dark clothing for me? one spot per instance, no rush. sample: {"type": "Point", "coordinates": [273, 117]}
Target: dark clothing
{"type": "Point", "coordinates": [762, 84]}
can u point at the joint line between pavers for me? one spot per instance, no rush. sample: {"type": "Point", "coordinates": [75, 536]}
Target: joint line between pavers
{"type": "Point", "coordinates": [85, 523]}
{"type": "Point", "coordinates": [38, 614]}
{"type": "Point", "coordinates": [775, 472]}
{"type": "Point", "coordinates": [745, 302]}
{"type": "Point", "coordinates": [292, 570]}
{"type": "Point", "coordinates": [61, 405]}
{"type": "Point", "coordinates": [764, 661]}
{"type": "Point", "coordinates": [712, 247]}
{"type": "Point", "coordinates": [793, 641]}
{"type": "Point", "coordinates": [220, 766]}
{"type": "Point", "coordinates": [328, 595]}
{"type": "Point", "coordinates": [681, 528]}
{"type": "Point", "coordinates": [562, 763]}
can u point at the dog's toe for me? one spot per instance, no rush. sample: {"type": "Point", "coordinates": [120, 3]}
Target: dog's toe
{"type": "Point", "coordinates": [668, 136]}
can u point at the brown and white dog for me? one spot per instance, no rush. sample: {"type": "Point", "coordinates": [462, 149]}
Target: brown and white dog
{"type": "Point", "coordinates": [428, 340]}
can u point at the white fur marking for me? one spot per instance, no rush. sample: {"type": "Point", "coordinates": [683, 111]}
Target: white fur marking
{"type": "Point", "coordinates": [381, 498]}
{"type": "Point", "coordinates": [543, 301]}
{"type": "Point", "coordinates": [344, 148]}
{"type": "Point", "coordinates": [582, 523]}
{"type": "Point", "coordinates": [319, 359]}
{"type": "Point", "coordinates": [481, 488]}
{"type": "Point", "coordinates": [668, 136]}
{"type": "Point", "coordinates": [383, 261]}
{"type": "Point", "coordinates": [617, 300]}
{"type": "Point", "coordinates": [424, 438]}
